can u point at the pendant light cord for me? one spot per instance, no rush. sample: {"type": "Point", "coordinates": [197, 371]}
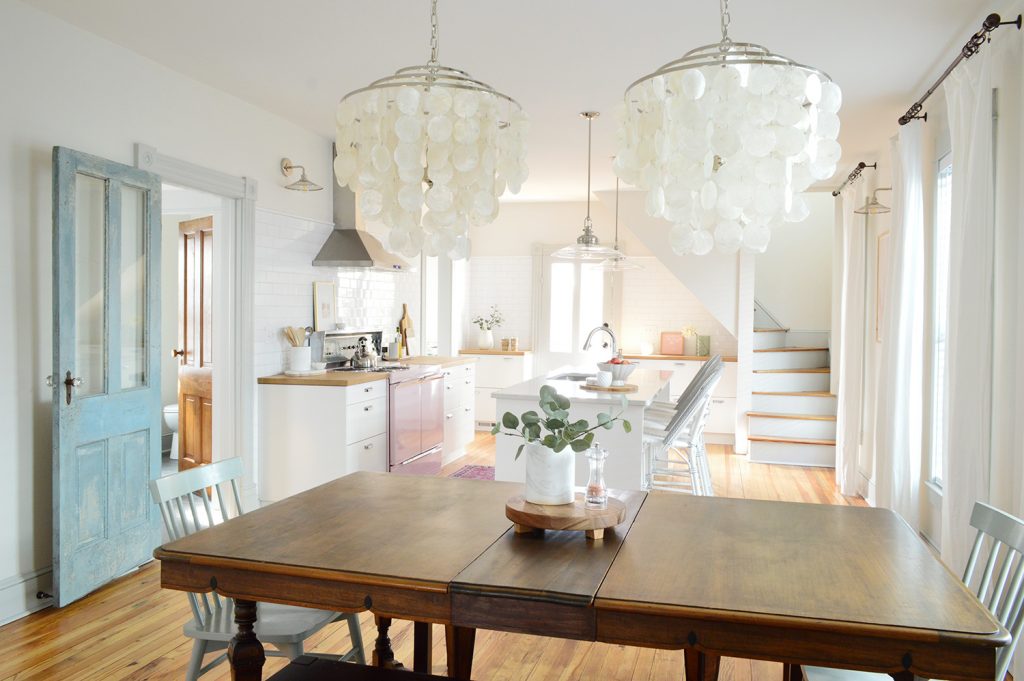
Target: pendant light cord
{"type": "Point", "coordinates": [590, 136]}
{"type": "Point", "coordinates": [616, 212]}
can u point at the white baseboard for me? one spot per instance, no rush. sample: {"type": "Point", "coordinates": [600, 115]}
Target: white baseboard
{"type": "Point", "coordinates": [18, 594]}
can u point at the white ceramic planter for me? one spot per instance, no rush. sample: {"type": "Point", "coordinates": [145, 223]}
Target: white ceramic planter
{"type": "Point", "coordinates": [485, 339]}
{"type": "Point", "coordinates": [550, 475]}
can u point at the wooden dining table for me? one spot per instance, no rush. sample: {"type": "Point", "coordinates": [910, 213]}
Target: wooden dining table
{"type": "Point", "coordinates": [838, 586]}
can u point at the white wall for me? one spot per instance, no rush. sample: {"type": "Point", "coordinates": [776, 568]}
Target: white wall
{"type": "Point", "coordinates": [793, 278]}
{"type": "Point", "coordinates": [285, 247]}
{"type": "Point", "coordinates": [505, 281]}
{"type": "Point", "coordinates": [64, 86]}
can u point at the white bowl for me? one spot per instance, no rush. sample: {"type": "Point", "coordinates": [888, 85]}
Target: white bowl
{"type": "Point", "coordinates": [620, 372]}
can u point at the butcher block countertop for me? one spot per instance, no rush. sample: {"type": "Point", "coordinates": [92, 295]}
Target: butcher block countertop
{"type": "Point", "coordinates": [338, 379]}
{"type": "Point", "coordinates": [678, 358]}
{"type": "Point", "coordinates": [507, 353]}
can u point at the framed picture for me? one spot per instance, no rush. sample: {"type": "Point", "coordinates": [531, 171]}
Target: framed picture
{"type": "Point", "coordinates": [325, 305]}
{"type": "Point", "coordinates": [881, 282]}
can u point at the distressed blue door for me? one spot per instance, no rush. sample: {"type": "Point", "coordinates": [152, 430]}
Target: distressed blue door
{"type": "Point", "coordinates": [106, 379]}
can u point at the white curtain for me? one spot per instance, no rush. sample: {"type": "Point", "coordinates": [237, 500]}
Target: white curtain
{"type": "Point", "coordinates": [851, 340]}
{"type": "Point", "coordinates": [985, 442]}
{"type": "Point", "coordinates": [898, 404]}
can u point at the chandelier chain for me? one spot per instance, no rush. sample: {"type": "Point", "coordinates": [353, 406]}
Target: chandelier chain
{"type": "Point", "coordinates": [726, 19]}
{"type": "Point", "coordinates": [433, 32]}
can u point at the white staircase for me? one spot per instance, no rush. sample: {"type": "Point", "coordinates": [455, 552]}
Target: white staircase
{"type": "Point", "coordinates": [793, 415]}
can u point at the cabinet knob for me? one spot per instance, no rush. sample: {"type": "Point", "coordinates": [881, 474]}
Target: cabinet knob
{"type": "Point", "coordinates": [467, 410]}
{"type": "Point", "coordinates": [468, 381]}
{"type": "Point", "coordinates": [367, 390]}
{"type": "Point", "coordinates": [449, 416]}
{"type": "Point", "coordinates": [368, 407]}
{"type": "Point", "coordinates": [368, 446]}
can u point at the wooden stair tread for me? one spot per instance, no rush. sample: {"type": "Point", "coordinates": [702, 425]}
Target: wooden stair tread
{"type": "Point", "coordinates": [794, 417]}
{"type": "Point", "coordinates": [819, 370]}
{"type": "Point", "coordinates": [791, 440]}
{"type": "Point", "coordinates": [770, 330]}
{"type": "Point", "coordinates": [792, 349]}
{"type": "Point", "coordinates": [799, 393]}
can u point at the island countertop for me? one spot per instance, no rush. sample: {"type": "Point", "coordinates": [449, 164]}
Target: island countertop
{"type": "Point", "coordinates": [649, 382]}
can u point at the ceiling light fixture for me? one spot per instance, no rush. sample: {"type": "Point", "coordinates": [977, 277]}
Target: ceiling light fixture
{"type": "Point", "coordinates": [303, 184]}
{"type": "Point", "coordinates": [724, 140]}
{"type": "Point", "coordinates": [587, 246]}
{"type": "Point", "coordinates": [873, 207]}
{"type": "Point", "coordinates": [430, 136]}
{"type": "Point", "coordinates": [619, 263]}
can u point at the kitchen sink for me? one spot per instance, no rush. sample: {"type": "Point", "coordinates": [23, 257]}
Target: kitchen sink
{"type": "Point", "coordinates": [580, 378]}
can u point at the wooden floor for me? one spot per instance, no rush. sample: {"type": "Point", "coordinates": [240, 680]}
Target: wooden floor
{"type": "Point", "coordinates": [131, 629]}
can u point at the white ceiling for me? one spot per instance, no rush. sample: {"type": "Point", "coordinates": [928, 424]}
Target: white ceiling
{"type": "Point", "coordinates": [556, 57]}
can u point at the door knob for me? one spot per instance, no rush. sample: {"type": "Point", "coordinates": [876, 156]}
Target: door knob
{"type": "Point", "coordinates": [69, 383]}
{"type": "Point", "coordinates": [177, 353]}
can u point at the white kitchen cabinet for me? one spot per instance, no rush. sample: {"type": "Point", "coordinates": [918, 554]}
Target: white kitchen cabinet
{"type": "Point", "coordinates": [459, 408]}
{"type": "Point", "coordinates": [494, 372]}
{"type": "Point", "coordinates": [310, 434]}
{"type": "Point", "coordinates": [722, 416]}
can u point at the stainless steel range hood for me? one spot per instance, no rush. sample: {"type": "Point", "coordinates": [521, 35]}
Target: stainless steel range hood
{"type": "Point", "coordinates": [347, 246]}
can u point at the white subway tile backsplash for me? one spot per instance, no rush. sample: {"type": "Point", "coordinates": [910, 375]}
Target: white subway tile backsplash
{"type": "Point", "coordinates": [284, 251]}
{"type": "Point", "coordinates": [505, 281]}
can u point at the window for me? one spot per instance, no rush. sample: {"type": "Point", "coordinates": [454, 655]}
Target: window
{"type": "Point", "coordinates": [940, 314]}
{"type": "Point", "coordinates": [575, 302]}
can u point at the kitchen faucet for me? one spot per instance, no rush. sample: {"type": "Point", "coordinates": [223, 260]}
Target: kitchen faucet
{"type": "Point", "coordinates": [611, 334]}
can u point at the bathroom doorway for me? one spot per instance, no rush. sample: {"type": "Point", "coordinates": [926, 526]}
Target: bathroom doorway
{"type": "Point", "coordinates": [189, 280]}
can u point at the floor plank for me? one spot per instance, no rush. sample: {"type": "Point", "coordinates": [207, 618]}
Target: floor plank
{"type": "Point", "coordinates": [130, 630]}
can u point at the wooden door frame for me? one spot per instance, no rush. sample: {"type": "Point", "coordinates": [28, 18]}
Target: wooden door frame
{"type": "Point", "coordinates": [234, 380]}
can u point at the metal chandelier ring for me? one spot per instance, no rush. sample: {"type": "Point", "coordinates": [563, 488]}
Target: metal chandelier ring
{"type": "Point", "coordinates": [427, 76]}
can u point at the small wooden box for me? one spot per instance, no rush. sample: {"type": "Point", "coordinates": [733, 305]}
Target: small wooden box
{"type": "Point", "coordinates": [671, 343]}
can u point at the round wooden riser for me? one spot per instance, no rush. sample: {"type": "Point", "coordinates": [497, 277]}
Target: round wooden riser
{"type": "Point", "coordinates": [530, 518]}
{"type": "Point", "coordinates": [627, 388]}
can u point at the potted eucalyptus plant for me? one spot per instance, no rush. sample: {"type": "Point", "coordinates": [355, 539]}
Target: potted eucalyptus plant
{"type": "Point", "coordinates": [550, 441]}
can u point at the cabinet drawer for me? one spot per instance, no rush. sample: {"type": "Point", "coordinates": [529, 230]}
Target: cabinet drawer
{"type": "Point", "coordinates": [365, 419]}
{"type": "Point", "coordinates": [452, 391]}
{"type": "Point", "coordinates": [368, 455]}
{"type": "Point", "coordinates": [466, 425]}
{"type": "Point", "coordinates": [499, 371]}
{"type": "Point", "coordinates": [727, 383]}
{"type": "Point", "coordinates": [366, 391]}
{"type": "Point", "coordinates": [721, 416]}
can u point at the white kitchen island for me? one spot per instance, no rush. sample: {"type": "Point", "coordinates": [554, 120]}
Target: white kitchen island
{"type": "Point", "coordinates": [624, 466]}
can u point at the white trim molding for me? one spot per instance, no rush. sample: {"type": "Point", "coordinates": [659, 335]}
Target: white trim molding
{"type": "Point", "coordinates": [18, 594]}
{"type": "Point", "coordinates": [234, 376]}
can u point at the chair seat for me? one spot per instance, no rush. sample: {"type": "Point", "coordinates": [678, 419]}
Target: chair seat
{"type": "Point", "coordinates": [829, 674]}
{"type": "Point", "coordinates": [274, 623]}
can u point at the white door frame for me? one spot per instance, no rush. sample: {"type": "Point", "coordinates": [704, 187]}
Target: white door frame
{"type": "Point", "coordinates": [233, 371]}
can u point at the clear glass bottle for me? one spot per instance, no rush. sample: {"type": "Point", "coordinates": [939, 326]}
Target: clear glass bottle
{"type": "Point", "coordinates": [597, 491]}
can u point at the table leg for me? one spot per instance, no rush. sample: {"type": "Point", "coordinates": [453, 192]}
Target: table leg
{"type": "Point", "coordinates": [700, 666]}
{"type": "Point", "coordinates": [423, 647]}
{"type": "Point", "coordinates": [383, 655]}
{"type": "Point", "coordinates": [245, 652]}
{"type": "Point", "coordinates": [792, 672]}
{"type": "Point", "coordinates": [459, 642]}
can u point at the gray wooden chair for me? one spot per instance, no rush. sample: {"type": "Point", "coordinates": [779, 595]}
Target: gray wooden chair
{"type": "Point", "coordinates": [1001, 535]}
{"type": "Point", "coordinates": [195, 499]}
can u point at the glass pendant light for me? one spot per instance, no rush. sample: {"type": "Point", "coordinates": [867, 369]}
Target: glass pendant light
{"type": "Point", "coordinates": [587, 246]}
{"type": "Point", "coordinates": [874, 207]}
{"type": "Point", "coordinates": [619, 263]}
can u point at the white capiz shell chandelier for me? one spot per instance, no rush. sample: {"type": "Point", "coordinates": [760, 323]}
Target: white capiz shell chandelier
{"type": "Point", "coordinates": [725, 139]}
{"type": "Point", "coordinates": [428, 151]}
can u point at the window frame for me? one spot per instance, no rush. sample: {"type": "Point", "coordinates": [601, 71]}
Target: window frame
{"type": "Point", "coordinates": [938, 328]}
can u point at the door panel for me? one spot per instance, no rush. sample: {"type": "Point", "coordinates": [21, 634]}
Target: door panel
{"type": "Point", "coordinates": [195, 333]}
{"type": "Point", "coordinates": [106, 398]}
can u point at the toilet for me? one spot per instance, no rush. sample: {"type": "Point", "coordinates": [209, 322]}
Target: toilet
{"type": "Point", "coordinates": [171, 421]}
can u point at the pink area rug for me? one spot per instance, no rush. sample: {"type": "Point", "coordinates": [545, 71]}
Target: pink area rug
{"type": "Point", "coordinates": [474, 473]}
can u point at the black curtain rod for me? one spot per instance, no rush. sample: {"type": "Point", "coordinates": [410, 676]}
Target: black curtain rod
{"type": "Point", "coordinates": [854, 174]}
{"type": "Point", "coordinates": [991, 23]}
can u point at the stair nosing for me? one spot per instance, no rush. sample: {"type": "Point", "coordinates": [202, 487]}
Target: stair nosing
{"type": "Point", "coordinates": [815, 370]}
{"type": "Point", "coordinates": [792, 349]}
{"type": "Point", "coordinates": [791, 440]}
{"type": "Point", "coordinates": [794, 393]}
{"type": "Point", "coordinates": [770, 330]}
{"type": "Point", "coordinates": [790, 416]}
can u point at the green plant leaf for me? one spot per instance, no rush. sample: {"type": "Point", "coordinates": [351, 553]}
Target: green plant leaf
{"type": "Point", "coordinates": [549, 407]}
{"type": "Point", "coordinates": [555, 424]}
{"type": "Point", "coordinates": [532, 431]}
{"type": "Point", "coordinates": [561, 415]}
{"type": "Point", "coordinates": [495, 429]}
{"type": "Point", "coordinates": [519, 451]}
{"type": "Point", "coordinates": [580, 425]}
{"type": "Point", "coordinates": [530, 417]}
{"type": "Point", "coordinates": [627, 426]}
{"type": "Point", "coordinates": [509, 420]}
{"type": "Point", "coordinates": [560, 445]}
{"type": "Point", "coordinates": [562, 401]}
{"type": "Point", "coordinates": [580, 445]}
{"type": "Point", "coordinates": [549, 441]}
{"type": "Point", "coordinates": [547, 393]}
